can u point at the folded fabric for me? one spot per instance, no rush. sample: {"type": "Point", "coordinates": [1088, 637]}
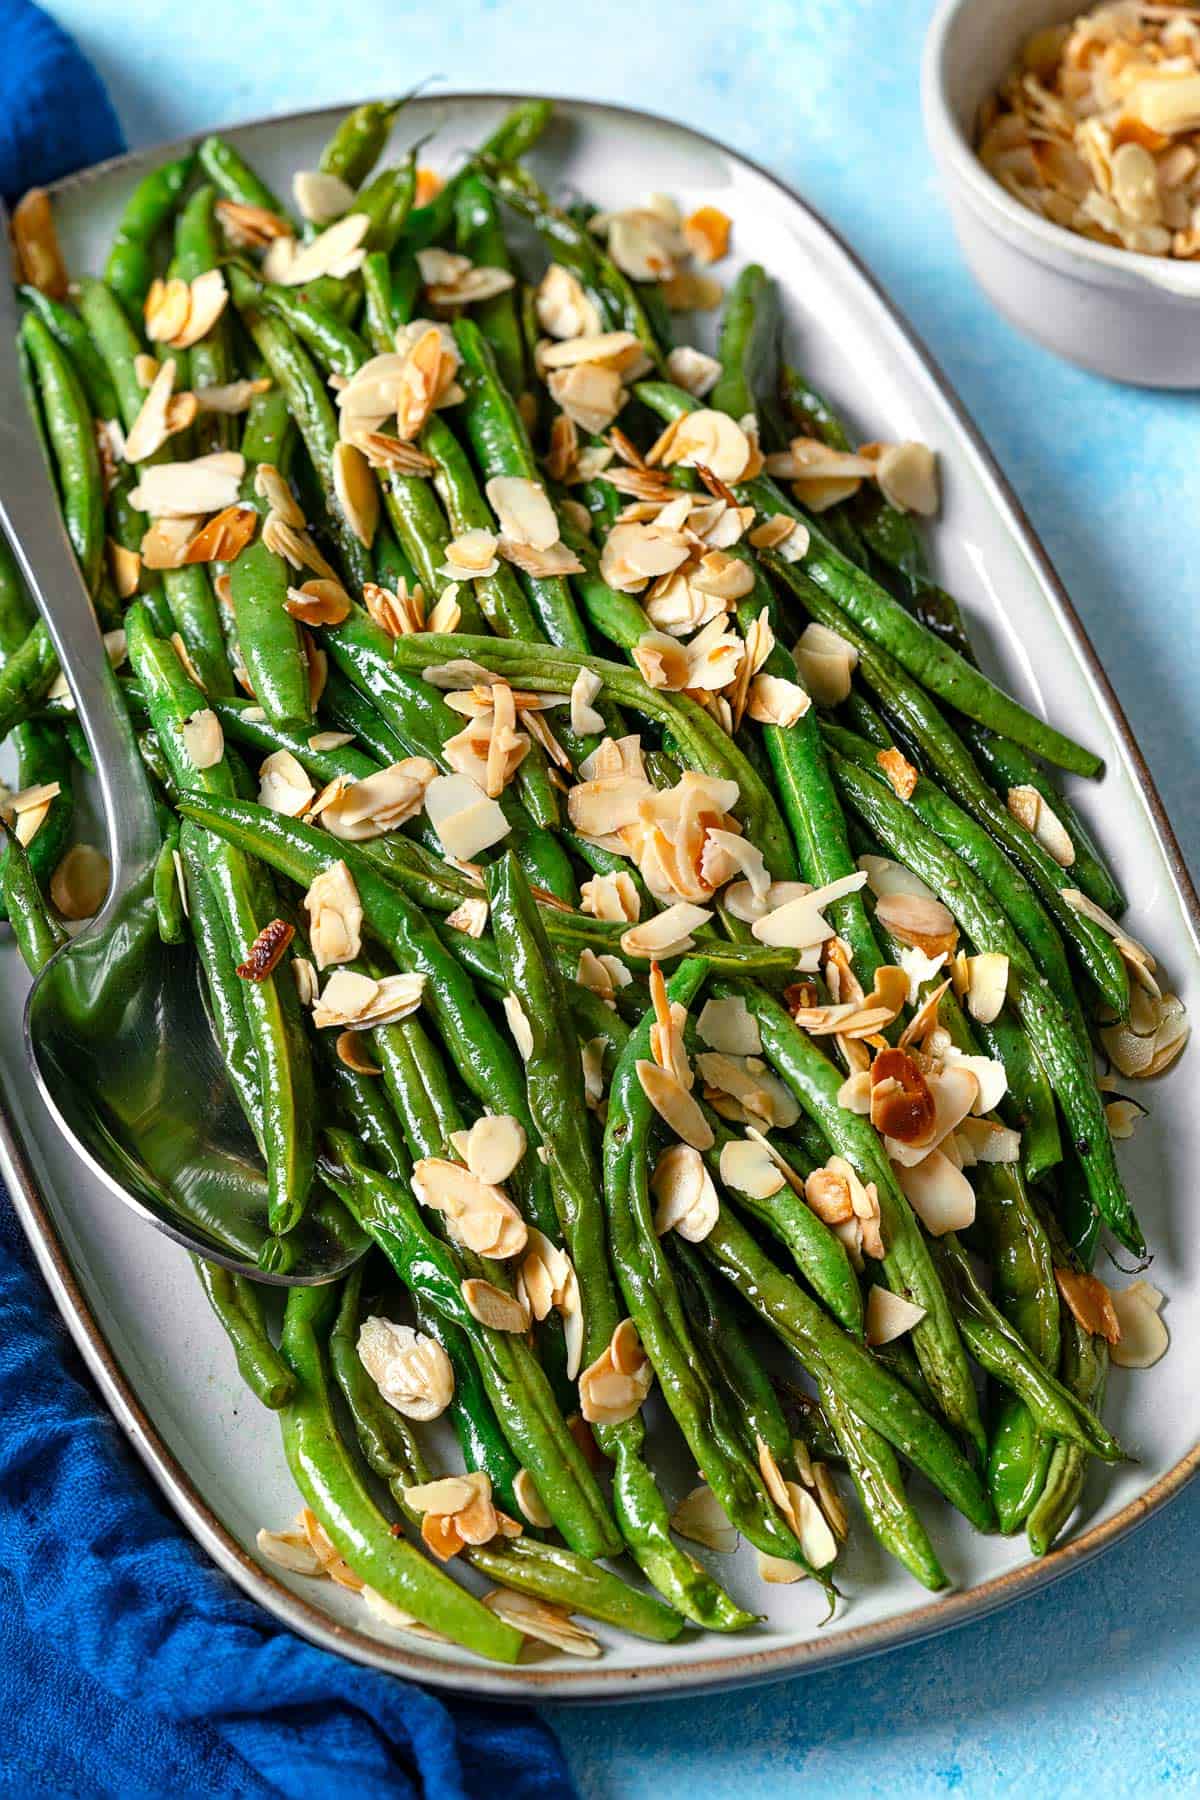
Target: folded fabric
{"type": "Point", "coordinates": [128, 1664]}
{"type": "Point", "coordinates": [56, 115]}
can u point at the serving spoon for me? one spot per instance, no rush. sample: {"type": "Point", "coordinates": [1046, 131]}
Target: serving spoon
{"type": "Point", "coordinates": [117, 1029]}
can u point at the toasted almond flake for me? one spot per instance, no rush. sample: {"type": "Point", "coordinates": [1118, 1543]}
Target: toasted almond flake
{"type": "Point", "coordinates": [356, 491]}
{"type": "Point", "coordinates": [675, 1105]}
{"type": "Point", "coordinates": [362, 1000]}
{"type": "Point", "coordinates": [443, 1498]}
{"type": "Point", "coordinates": [889, 1315]}
{"type": "Point", "coordinates": [378, 803]}
{"type": "Point", "coordinates": [289, 1550]}
{"type": "Point", "coordinates": [493, 1307]}
{"type": "Point", "coordinates": [940, 1194]}
{"type": "Point", "coordinates": [563, 308]}
{"type": "Point", "coordinates": [318, 602]}
{"type": "Point", "coordinates": [799, 923]}
{"type": "Point", "coordinates": [585, 720]}
{"type": "Point", "coordinates": [250, 227]}
{"type": "Point", "coordinates": [335, 251]}
{"type": "Point", "coordinates": [230, 397]}
{"type": "Point", "coordinates": [35, 240]}
{"type": "Point", "coordinates": [463, 816]}
{"type": "Point", "coordinates": [284, 785]}
{"type": "Point", "coordinates": [1091, 1303]}
{"type": "Point", "coordinates": [686, 1200]}
{"type": "Point", "coordinates": [774, 700]}
{"type": "Point", "coordinates": [987, 1142]}
{"type": "Point", "coordinates": [183, 490]}
{"type": "Point", "coordinates": [305, 977]}
{"type": "Point", "coordinates": [729, 1026]}
{"type": "Point", "coordinates": [1029, 808]}
{"type": "Point", "coordinates": [927, 924]}
{"type": "Point", "coordinates": [777, 1570]}
{"type": "Point", "coordinates": [335, 916]}
{"type": "Point", "coordinates": [352, 1051]}
{"type": "Point", "coordinates": [747, 1166]}
{"type": "Point", "coordinates": [412, 1372]}
{"type": "Point", "coordinates": [907, 477]}
{"type": "Point", "coordinates": [470, 557]}
{"type": "Point", "coordinates": [614, 1387]}
{"type": "Point", "coordinates": [699, 1516]}
{"type": "Point", "coordinates": [495, 1145]}
{"type": "Point", "coordinates": [519, 1026]}
{"type": "Point", "coordinates": [152, 427]}
{"type": "Point", "coordinates": [693, 370]}
{"type": "Point", "coordinates": [987, 986]}
{"type": "Point", "coordinates": [667, 933]}
{"type": "Point", "coordinates": [469, 916]}
{"type": "Point", "coordinates": [524, 511]}
{"type": "Point", "coordinates": [479, 1214]}
{"type": "Point", "coordinates": [203, 739]}
{"type": "Point", "coordinates": [80, 881]}
{"type": "Point", "coordinates": [1143, 1336]}
{"type": "Point", "coordinates": [321, 198]}
{"type": "Point", "coordinates": [543, 1621]}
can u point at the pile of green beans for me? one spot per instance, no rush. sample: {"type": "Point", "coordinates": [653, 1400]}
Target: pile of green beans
{"type": "Point", "coordinates": [535, 1006]}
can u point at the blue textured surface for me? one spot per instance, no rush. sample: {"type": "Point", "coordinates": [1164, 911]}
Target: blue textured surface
{"type": "Point", "coordinates": [1088, 1687]}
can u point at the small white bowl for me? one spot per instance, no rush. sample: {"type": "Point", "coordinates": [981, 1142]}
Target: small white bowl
{"type": "Point", "coordinates": [1134, 318]}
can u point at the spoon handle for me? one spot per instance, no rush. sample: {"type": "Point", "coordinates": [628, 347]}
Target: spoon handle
{"type": "Point", "coordinates": [29, 516]}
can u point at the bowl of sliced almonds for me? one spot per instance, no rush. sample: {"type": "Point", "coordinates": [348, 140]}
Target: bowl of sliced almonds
{"type": "Point", "coordinates": [1068, 140]}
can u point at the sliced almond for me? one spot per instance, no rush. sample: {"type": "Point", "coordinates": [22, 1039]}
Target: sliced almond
{"type": "Point", "coordinates": [1091, 1303]}
{"type": "Point", "coordinates": [889, 1315]}
{"type": "Point", "coordinates": [675, 1105]}
{"type": "Point", "coordinates": [495, 1145]}
{"type": "Point", "coordinates": [699, 1516]}
{"type": "Point", "coordinates": [411, 1371]}
{"type": "Point", "coordinates": [543, 1621]}
{"type": "Point", "coordinates": [203, 739]}
{"type": "Point", "coordinates": [356, 491]}
{"type": "Point", "coordinates": [1143, 1338]}
{"type": "Point", "coordinates": [35, 240]}
{"type": "Point", "coordinates": [940, 1194]}
{"type": "Point", "coordinates": [493, 1307]}
{"type": "Point", "coordinates": [335, 916]}
{"type": "Point", "coordinates": [927, 924]}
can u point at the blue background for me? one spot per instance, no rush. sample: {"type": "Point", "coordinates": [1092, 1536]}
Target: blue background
{"type": "Point", "coordinates": [1089, 1686]}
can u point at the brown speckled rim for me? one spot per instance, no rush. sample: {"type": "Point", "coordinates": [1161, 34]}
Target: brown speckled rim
{"type": "Point", "coordinates": [666, 1677]}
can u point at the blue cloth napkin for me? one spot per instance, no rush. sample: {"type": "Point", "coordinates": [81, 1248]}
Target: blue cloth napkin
{"type": "Point", "coordinates": [128, 1665]}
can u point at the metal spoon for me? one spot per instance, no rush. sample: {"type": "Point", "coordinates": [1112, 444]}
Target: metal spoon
{"type": "Point", "coordinates": [116, 1025]}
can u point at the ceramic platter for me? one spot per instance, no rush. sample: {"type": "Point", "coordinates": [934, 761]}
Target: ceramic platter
{"type": "Point", "coordinates": [129, 1295]}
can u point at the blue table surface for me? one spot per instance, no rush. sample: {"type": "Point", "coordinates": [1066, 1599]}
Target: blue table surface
{"type": "Point", "coordinates": [1087, 1687]}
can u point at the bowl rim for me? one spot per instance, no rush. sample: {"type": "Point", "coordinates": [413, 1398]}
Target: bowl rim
{"type": "Point", "coordinates": [1050, 242]}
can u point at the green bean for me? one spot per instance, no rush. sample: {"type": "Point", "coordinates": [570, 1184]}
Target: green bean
{"type": "Point", "coordinates": [72, 336]}
{"type": "Point", "coordinates": [479, 237]}
{"type": "Point", "coordinates": [229, 171]}
{"type": "Point", "coordinates": [226, 992]}
{"type": "Point", "coordinates": [501, 445]}
{"type": "Point", "coordinates": [42, 755]}
{"type": "Point", "coordinates": [168, 899]}
{"type": "Point", "coordinates": [129, 269]}
{"type": "Point", "coordinates": [337, 348]}
{"type": "Point", "coordinates": [832, 1357]}
{"type": "Point", "coordinates": [820, 1256]}
{"type": "Point", "coordinates": [25, 678]}
{"type": "Point", "coordinates": [210, 360]}
{"type": "Point", "coordinates": [578, 249]}
{"type": "Point", "coordinates": [73, 439]}
{"type": "Point", "coordinates": [269, 638]}
{"type": "Point", "coordinates": [500, 596]}
{"type": "Point", "coordinates": [732, 1362]}
{"type": "Point", "coordinates": [517, 132]}
{"type": "Point", "coordinates": [945, 752]}
{"type": "Point", "coordinates": [36, 932]}
{"type": "Point", "coordinates": [749, 343]}
{"type": "Point", "coordinates": [329, 1480]}
{"type": "Point", "coordinates": [1085, 1372]}
{"type": "Point", "coordinates": [556, 1098]}
{"type": "Point", "coordinates": [929, 661]}
{"type": "Point", "coordinates": [308, 402]}
{"type": "Point", "coordinates": [247, 904]}
{"type": "Point", "coordinates": [907, 1266]}
{"type": "Point", "coordinates": [999, 1349]}
{"type": "Point", "coordinates": [549, 1571]}
{"type": "Point", "coordinates": [875, 1471]}
{"type": "Point", "coordinates": [486, 1060]}
{"type": "Point", "coordinates": [235, 1301]}
{"type": "Point", "coordinates": [969, 840]}
{"type": "Point", "coordinates": [714, 1437]}
{"type": "Point", "coordinates": [1049, 1027]}
{"type": "Point", "coordinates": [359, 140]}
{"type": "Point", "coordinates": [1007, 766]}
{"type": "Point", "coordinates": [515, 1381]}
{"type": "Point", "coordinates": [1028, 1103]}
